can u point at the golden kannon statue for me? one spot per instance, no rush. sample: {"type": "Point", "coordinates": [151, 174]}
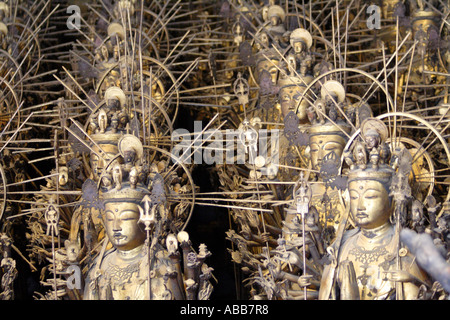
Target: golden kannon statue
{"type": "Point", "coordinates": [139, 259]}
{"type": "Point", "coordinates": [131, 269]}
{"type": "Point", "coordinates": [124, 273]}
{"type": "Point", "coordinates": [368, 262]}
{"type": "Point", "coordinates": [328, 135]}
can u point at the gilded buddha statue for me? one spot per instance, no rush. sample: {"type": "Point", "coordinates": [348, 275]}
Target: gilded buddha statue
{"type": "Point", "coordinates": [123, 272]}
{"type": "Point", "coordinates": [276, 16]}
{"type": "Point", "coordinates": [138, 266]}
{"type": "Point", "coordinates": [144, 262]}
{"type": "Point", "coordinates": [105, 127]}
{"type": "Point", "coordinates": [368, 262]}
{"type": "Point", "coordinates": [328, 135]}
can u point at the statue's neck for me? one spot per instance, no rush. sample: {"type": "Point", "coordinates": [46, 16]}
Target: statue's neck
{"type": "Point", "coordinates": [130, 255]}
{"type": "Point", "coordinates": [378, 234]}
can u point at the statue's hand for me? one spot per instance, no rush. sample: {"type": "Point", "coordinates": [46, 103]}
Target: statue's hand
{"type": "Point", "coordinates": [348, 283]}
{"type": "Point", "coordinates": [304, 281]}
{"type": "Point", "coordinates": [399, 276]}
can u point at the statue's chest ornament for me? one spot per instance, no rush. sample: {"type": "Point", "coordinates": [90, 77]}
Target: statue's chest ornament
{"type": "Point", "coordinates": [122, 274]}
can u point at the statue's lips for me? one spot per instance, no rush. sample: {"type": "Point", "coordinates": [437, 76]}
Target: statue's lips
{"type": "Point", "coordinates": [361, 215]}
{"type": "Point", "coordinates": [119, 236]}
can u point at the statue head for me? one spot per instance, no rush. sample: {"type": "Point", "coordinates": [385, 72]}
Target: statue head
{"type": "Point", "coordinates": [131, 149]}
{"type": "Point", "coordinates": [292, 85]}
{"type": "Point", "coordinates": [323, 141]}
{"type": "Point", "coordinates": [98, 160]}
{"type": "Point", "coordinates": [270, 64]}
{"type": "Point", "coordinates": [289, 96]}
{"type": "Point", "coordinates": [121, 221]}
{"type": "Point", "coordinates": [372, 139]}
{"type": "Point", "coordinates": [121, 214]}
{"type": "Point", "coordinates": [369, 182]}
{"type": "Point", "coordinates": [328, 131]}
{"type": "Point", "coordinates": [300, 40]}
{"type": "Point", "coordinates": [276, 15]}
{"type": "Point", "coordinates": [370, 202]}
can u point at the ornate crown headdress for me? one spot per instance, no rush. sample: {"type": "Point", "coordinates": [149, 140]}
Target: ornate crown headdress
{"type": "Point", "coordinates": [127, 181]}
{"type": "Point", "coordinates": [371, 158]}
{"type": "Point", "coordinates": [324, 115]}
{"type": "Point", "coordinates": [111, 120]}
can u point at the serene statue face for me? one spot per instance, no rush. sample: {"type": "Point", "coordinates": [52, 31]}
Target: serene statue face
{"type": "Point", "coordinates": [322, 144]}
{"type": "Point", "coordinates": [372, 141]}
{"type": "Point", "coordinates": [299, 47]}
{"type": "Point", "coordinates": [269, 65]}
{"type": "Point", "coordinates": [129, 156]}
{"type": "Point", "coordinates": [122, 225]}
{"type": "Point", "coordinates": [370, 205]}
{"type": "Point", "coordinates": [289, 98]}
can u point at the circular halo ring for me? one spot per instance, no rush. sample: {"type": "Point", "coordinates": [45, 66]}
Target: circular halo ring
{"type": "Point", "coordinates": [396, 115]}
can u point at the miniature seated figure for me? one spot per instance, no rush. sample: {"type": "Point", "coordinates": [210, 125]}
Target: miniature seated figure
{"type": "Point", "coordinates": [301, 42]}
{"type": "Point", "coordinates": [365, 261]}
{"type": "Point", "coordinates": [276, 16]}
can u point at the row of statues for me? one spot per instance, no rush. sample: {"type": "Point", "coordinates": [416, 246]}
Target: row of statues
{"type": "Point", "coordinates": [335, 184]}
{"type": "Point", "coordinates": [350, 176]}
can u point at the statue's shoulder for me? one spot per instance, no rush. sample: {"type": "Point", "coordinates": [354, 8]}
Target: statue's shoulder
{"type": "Point", "coordinates": [350, 233]}
{"type": "Point", "coordinates": [99, 259]}
{"type": "Point", "coordinates": [347, 236]}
